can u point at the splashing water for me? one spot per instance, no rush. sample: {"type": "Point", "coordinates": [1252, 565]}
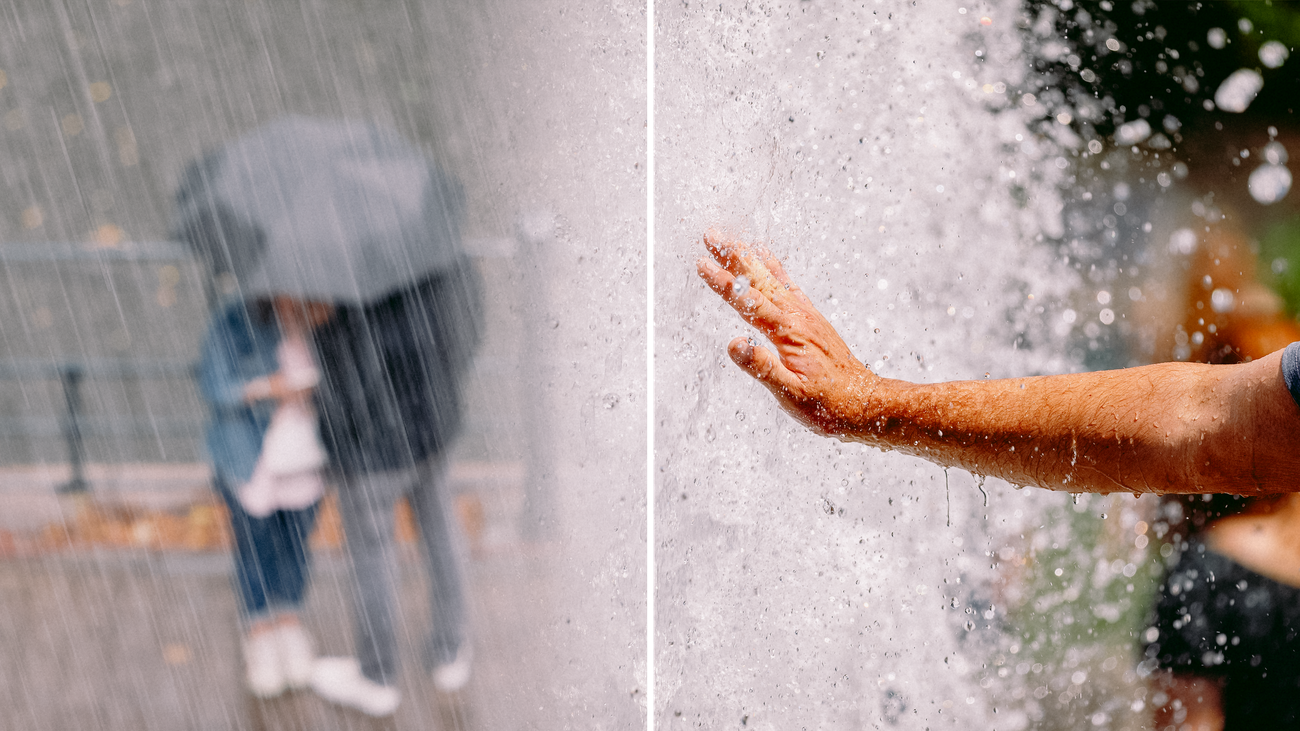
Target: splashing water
{"type": "Point", "coordinates": [1238, 90]}
{"type": "Point", "coordinates": [1273, 54]}
{"type": "Point", "coordinates": [879, 152]}
{"type": "Point", "coordinates": [1269, 183]}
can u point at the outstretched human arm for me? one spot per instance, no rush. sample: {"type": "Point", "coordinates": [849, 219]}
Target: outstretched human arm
{"type": "Point", "coordinates": [1173, 427]}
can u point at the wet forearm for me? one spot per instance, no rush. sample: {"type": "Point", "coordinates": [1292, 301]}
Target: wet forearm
{"type": "Point", "coordinates": [1140, 430]}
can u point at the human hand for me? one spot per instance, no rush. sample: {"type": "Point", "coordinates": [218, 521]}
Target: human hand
{"type": "Point", "coordinates": [813, 374]}
{"type": "Point", "coordinates": [281, 387]}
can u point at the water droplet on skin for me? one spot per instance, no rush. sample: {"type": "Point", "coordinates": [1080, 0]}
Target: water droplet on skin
{"type": "Point", "coordinates": [947, 493]}
{"type": "Point", "coordinates": [740, 285]}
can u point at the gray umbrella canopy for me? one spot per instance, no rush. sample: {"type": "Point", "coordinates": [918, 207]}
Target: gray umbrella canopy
{"type": "Point", "coordinates": [317, 209]}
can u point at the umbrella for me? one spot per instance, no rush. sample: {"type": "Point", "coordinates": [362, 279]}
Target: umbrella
{"type": "Point", "coordinates": [325, 210]}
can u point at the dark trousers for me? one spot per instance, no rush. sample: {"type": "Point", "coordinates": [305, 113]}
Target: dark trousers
{"type": "Point", "coordinates": [272, 564]}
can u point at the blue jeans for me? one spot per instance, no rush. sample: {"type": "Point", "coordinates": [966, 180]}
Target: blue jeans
{"type": "Point", "coordinates": [366, 504]}
{"type": "Point", "coordinates": [271, 557]}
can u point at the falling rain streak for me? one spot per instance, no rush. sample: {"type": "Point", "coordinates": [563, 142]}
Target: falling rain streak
{"type": "Point", "coordinates": [456, 132]}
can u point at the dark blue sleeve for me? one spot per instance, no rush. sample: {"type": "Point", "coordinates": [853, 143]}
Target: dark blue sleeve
{"type": "Point", "coordinates": [1291, 370]}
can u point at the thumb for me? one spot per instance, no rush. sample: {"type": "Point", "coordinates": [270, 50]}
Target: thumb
{"type": "Point", "coordinates": [765, 367]}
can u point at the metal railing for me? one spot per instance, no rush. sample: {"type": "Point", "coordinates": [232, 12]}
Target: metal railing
{"type": "Point", "coordinates": [73, 424]}
{"type": "Point", "coordinates": [528, 252]}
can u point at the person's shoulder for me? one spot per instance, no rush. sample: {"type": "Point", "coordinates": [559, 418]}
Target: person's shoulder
{"type": "Point", "coordinates": [1255, 543]}
{"type": "Point", "coordinates": [1291, 370]}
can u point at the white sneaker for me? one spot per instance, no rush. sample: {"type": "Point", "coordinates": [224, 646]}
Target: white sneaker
{"type": "Point", "coordinates": [339, 680]}
{"type": "Point", "coordinates": [262, 665]}
{"type": "Point", "coordinates": [297, 658]}
{"type": "Point", "coordinates": [453, 676]}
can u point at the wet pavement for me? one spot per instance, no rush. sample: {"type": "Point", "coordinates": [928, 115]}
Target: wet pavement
{"type": "Point", "coordinates": [123, 638]}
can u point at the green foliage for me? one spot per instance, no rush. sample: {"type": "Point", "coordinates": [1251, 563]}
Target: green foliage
{"type": "Point", "coordinates": [1087, 619]}
{"type": "Point", "coordinates": [1279, 262]}
{"type": "Point", "coordinates": [1279, 21]}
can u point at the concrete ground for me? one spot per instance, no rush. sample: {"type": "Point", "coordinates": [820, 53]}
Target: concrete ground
{"type": "Point", "coordinates": [123, 638]}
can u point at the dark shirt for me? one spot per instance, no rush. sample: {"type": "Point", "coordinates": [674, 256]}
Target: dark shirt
{"type": "Point", "coordinates": [389, 395]}
{"type": "Point", "coordinates": [1217, 619]}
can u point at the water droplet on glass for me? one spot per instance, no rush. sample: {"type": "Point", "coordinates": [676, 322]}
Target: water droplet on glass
{"type": "Point", "coordinates": [740, 285]}
{"type": "Point", "coordinates": [970, 626]}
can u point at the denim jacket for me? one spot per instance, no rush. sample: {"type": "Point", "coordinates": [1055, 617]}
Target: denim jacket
{"type": "Point", "coordinates": [238, 347]}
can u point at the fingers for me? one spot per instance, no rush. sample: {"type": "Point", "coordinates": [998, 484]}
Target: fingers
{"type": "Point", "coordinates": [747, 260]}
{"type": "Point", "coordinates": [773, 265]}
{"type": "Point", "coordinates": [765, 367]}
{"type": "Point", "coordinates": [751, 304]}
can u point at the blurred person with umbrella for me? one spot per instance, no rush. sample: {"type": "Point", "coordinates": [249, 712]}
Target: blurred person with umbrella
{"type": "Point", "coordinates": [353, 215]}
{"type": "Point", "coordinates": [256, 374]}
